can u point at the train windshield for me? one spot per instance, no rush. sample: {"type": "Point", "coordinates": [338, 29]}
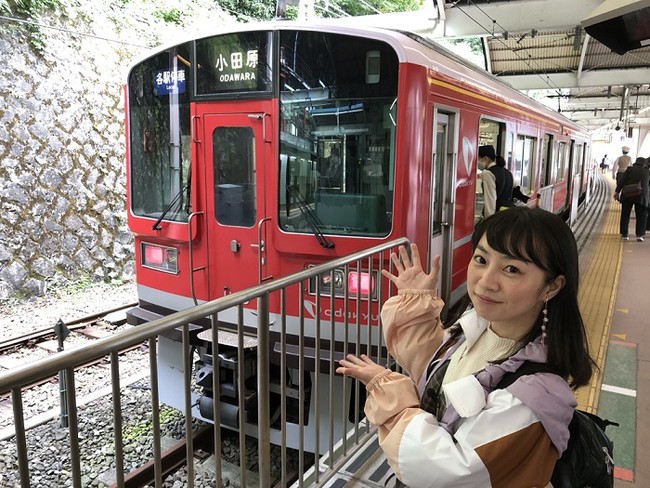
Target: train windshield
{"type": "Point", "coordinates": [159, 129]}
{"type": "Point", "coordinates": [338, 103]}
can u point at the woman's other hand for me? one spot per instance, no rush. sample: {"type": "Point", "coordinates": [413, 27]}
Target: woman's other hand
{"type": "Point", "coordinates": [410, 275]}
{"type": "Point", "coordinates": [362, 368]}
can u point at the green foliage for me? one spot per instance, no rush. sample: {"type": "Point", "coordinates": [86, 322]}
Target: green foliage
{"type": "Point", "coordinates": [173, 16]}
{"type": "Point", "coordinates": [29, 10]}
{"type": "Point", "coordinates": [249, 9]}
{"type": "Point", "coordinates": [474, 43]}
{"type": "Point", "coordinates": [370, 7]}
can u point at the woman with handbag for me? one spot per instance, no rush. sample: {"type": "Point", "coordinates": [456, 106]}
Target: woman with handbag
{"type": "Point", "coordinates": [632, 191]}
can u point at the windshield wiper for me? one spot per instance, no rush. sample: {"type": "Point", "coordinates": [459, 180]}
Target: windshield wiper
{"type": "Point", "coordinates": [312, 219]}
{"type": "Point", "coordinates": [175, 201]}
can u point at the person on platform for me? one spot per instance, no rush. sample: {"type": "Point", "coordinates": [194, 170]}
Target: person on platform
{"type": "Point", "coordinates": [604, 164]}
{"type": "Point", "coordinates": [637, 173]}
{"type": "Point", "coordinates": [497, 181]}
{"type": "Point", "coordinates": [621, 164]}
{"type": "Point", "coordinates": [437, 425]}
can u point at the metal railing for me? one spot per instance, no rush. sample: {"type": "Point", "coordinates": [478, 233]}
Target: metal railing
{"type": "Point", "coordinates": [67, 361]}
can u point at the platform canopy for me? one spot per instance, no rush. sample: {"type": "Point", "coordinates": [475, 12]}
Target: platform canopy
{"type": "Point", "coordinates": [543, 45]}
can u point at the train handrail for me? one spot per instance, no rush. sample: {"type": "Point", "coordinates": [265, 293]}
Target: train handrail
{"type": "Point", "coordinates": [190, 255]}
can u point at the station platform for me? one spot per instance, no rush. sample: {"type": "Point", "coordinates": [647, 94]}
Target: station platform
{"type": "Point", "coordinates": [622, 393]}
{"type": "Point", "coordinates": [614, 297]}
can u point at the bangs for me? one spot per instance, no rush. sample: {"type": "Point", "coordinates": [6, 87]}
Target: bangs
{"type": "Point", "coordinates": [515, 234]}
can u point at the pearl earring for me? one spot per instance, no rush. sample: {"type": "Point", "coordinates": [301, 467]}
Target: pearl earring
{"type": "Point", "coordinates": [544, 320]}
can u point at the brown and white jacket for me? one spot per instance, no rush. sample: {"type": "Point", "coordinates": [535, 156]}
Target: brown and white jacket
{"type": "Point", "coordinates": [500, 438]}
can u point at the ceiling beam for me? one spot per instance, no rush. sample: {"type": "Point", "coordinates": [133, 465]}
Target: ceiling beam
{"type": "Point", "coordinates": [635, 76]}
{"type": "Point", "coordinates": [496, 17]}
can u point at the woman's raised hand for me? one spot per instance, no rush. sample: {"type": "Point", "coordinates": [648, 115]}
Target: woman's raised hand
{"type": "Point", "coordinates": [410, 275]}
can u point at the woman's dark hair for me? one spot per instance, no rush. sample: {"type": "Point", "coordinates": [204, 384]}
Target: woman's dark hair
{"type": "Point", "coordinates": [500, 161]}
{"type": "Point", "coordinates": [541, 237]}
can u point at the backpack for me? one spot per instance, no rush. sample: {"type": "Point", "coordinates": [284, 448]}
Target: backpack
{"type": "Point", "coordinates": [588, 461]}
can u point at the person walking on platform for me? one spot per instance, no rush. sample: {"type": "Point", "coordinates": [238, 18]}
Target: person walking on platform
{"type": "Point", "coordinates": [621, 164]}
{"type": "Point", "coordinates": [636, 174]}
{"type": "Point", "coordinates": [445, 424]}
{"type": "Point", "coordinates": [497, 181]}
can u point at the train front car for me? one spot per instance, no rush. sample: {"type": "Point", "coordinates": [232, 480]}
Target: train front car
{"type": "Point", "coordinates": [251, 155]}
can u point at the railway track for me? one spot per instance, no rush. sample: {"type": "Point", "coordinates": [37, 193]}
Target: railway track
{"type": "Point", "coordinates": [74, 325]}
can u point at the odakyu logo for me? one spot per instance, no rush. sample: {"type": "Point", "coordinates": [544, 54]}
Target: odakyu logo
{"type": "Point", "coordinates": [310, 309]}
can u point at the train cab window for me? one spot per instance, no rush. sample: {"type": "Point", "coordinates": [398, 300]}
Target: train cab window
{"type": "Point", "coordinates": [234, 63]}
{"type": "Point", "coordinates": [234, 180]}
{"type": "Point", "coordinates": [159, 128]}
{"type": "Point", "coordinates": [523, 168]}
{"type": "Point", "coordinates": [338, 102]}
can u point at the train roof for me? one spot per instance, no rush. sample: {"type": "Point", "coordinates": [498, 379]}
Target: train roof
{"type": "Point", "coordinates": [410, 48]}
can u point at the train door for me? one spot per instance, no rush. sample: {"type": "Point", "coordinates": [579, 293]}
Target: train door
{"type": "Point", "coordinates": [236, 219]}
{"type": "Point", "coordinates": [443, 170]}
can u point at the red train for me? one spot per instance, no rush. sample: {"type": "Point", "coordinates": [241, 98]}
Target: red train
{"type": "Point", "coordinates": [261, 150]}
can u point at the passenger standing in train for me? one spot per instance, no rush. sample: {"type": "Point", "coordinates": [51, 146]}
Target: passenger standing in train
{"type": "Point", "coordinates": [637, 173]}
{"type": "Point", "coordinates": [621, 164]}
{"type": "Point", "coordinates": [497, 181]}
{"type": "Point", "coordinates": [445, 424]}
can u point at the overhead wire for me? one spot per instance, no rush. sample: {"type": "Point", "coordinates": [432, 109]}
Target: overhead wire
{"type": "Point", "coordinates": [69, 31]}
{"type": "Point", "coordinates": [546, 80]}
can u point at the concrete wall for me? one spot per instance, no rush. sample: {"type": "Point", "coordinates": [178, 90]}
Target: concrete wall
{"type": "Point", "coordinates": [62, 168]}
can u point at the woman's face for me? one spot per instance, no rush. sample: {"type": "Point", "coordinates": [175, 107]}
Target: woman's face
{"type": "Point", "coordinates": [508, 292]}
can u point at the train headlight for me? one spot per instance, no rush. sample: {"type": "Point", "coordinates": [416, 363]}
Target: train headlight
{"type": "Point", "coordinates": [161, 258]}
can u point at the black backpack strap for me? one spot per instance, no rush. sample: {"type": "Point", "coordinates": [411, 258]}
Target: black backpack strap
{"type": "Point", "coordinates": [527, 368]}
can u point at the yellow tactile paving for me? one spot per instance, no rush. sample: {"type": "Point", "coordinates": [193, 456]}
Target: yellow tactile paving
{"type": "Point", "coordinates": [597, 297]}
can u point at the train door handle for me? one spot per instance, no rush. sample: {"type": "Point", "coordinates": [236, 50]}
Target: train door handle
{"type": "Point", "coordinates": [259, 246]}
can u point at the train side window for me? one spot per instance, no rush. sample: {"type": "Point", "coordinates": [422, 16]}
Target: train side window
{"type": "Point", "coordinates": [547, 158]}
{"type": "Point", "coordinates": [233, 150]}
{"type": "Point", "coordinates": [560, 162]}
{"type": "Point", "coordinates": [524, 164]}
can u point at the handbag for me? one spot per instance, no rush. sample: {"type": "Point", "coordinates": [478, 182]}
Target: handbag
{"type": "Point", "coordinates": [632, 190]}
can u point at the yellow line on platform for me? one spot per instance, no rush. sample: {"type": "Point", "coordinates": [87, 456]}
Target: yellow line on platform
{"type": "Point", "coordinates": [597, 298]}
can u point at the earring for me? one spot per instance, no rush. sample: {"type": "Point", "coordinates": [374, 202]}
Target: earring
{"type": "Point", "coordinates": [544, 320]}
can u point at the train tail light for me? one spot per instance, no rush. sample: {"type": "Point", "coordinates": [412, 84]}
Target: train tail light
{"type": "Point", "coordinates": [360, 283]}
{"type": "Point", "coordinates": [161, 258]}
{"type": "Point", "coordinates": [357, 283]}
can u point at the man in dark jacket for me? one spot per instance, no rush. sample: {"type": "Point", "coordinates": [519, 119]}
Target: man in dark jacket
{"type": "Point", "coordinates": [637, 173]}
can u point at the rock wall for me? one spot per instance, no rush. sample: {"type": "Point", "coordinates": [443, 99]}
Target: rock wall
{"type": "Point", "coordinates": [62, 164]}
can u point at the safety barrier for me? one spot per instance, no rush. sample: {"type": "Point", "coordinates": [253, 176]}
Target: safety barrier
{"type": "Point", "coordinates": [370, 260]}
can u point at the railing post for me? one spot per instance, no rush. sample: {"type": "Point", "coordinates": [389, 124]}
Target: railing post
{"type": "Point", "coordinates": [62, 332]}
{"type": "Point", "coordinates": [263, 378]}
{"type": "Point", "coordinates": [21, 442]}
